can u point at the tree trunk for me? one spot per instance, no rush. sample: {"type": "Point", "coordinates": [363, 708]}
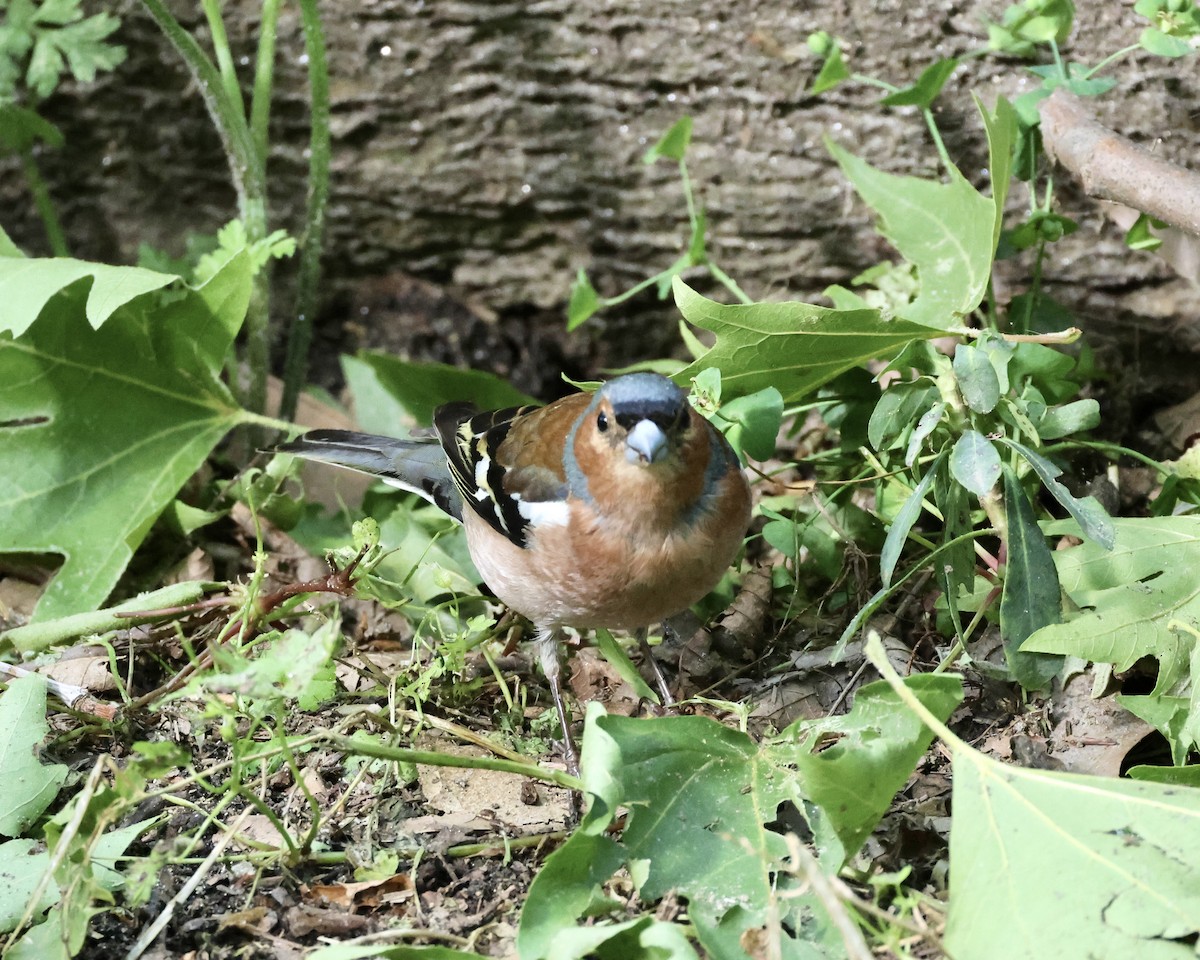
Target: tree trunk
{"type": "Point", "coordinates": [491, 149]}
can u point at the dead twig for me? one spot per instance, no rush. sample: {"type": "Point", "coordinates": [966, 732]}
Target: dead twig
{"type": "Point", "coordinates": [1113, 167]}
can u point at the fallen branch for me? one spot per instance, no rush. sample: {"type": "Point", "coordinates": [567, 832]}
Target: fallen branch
{"type": "Point", "coordinates": [1112, 167]}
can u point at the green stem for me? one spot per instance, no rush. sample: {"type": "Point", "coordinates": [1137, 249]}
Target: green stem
{"type": "Point", "coordinates": [1058, 61]}
{"type": "Point", "coordinates": [300, 335]}
{"type": "Point", "coordinates": [220, 42]}
{"type": "Point", "coordinates": [248, 169]}
{"type": "Point", "coordinates": [366, 748]}
{"type": "Point", "coordinates": [271, 423]}
{"type": "Point", "coordinates": [1111, 58]}
{"type": "Point", "coordinates": [638, 288]}
{"type": "Point", "coordinates": [728, 282]}
{"type": "Point", "coordinates": [690, 200]}
{"type": "Point", "coordinates": [943, 153]}
{"type": "Point", "coordinates": [264, 78]}
{"type": "Point", "coordinates": [881, 597]}
{"type": "Point", "coordinates": [247, 172]}
{"type": "Point", "coordinates": [878, 656]}
{"type": "Point", "coordinates": [874, 82]}
{"type": "Point", "coordinates": [44, 205]}
{"type": "Point", "coordinates": [258, 315]}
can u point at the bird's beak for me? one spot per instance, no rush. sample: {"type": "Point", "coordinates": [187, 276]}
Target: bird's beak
{"type": "Point", "coordinates": [645, 443]}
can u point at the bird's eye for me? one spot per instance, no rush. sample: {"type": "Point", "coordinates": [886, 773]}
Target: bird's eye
{"type": "Point", "coordinates": [602, 422]}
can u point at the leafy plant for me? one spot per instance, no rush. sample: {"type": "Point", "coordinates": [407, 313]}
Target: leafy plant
{"type": "Point", "coordinates": [962, 432]}
{"type": "Point", "coordinates": [672, 145]}
{"type": "Point", "coordinates": [40, 40]}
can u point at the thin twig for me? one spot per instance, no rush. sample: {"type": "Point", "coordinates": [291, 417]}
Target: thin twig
{"type": "Point", "coordinates": [150, 934]}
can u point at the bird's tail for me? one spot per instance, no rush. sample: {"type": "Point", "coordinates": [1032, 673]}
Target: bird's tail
{"type": "Point", "coordinates": [418, 465]}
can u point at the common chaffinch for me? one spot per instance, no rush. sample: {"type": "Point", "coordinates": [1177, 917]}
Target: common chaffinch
{"type": "Point", "coordinates": [614, 509]}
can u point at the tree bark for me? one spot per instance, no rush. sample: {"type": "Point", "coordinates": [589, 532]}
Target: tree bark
{"type": "Point", "coordinates": [492, 148]}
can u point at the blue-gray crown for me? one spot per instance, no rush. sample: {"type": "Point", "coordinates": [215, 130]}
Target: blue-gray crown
{"type": "Point", "coordinates": [645, 396]}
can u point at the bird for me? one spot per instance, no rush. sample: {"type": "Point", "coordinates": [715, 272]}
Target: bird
{"type": "Point", "coordinates": [619, 508]}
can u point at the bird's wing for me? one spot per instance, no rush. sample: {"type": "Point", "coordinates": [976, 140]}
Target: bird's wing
{"type": "Point", "coordinates": [509, 464]}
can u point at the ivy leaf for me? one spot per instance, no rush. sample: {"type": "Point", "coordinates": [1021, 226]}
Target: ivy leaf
{"type": "Point", "coordinates": [389, 391]}
{"type": "Point", "coordinates": [130, 385]}
{"type": "Point", "coordinates": [794, 347]}
{"type": "Point", "coordinates": [926, 89]}
{"type": "Point", "coordinates": [1129, 596]}
{"type": "Point", "coordinates": [700, 798]}
{"type": "Point", "coordinates": [1123, 880]}
{"type": "Point", "coordinates": [30, 785]}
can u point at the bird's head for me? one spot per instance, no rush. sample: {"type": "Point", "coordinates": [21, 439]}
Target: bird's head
{"type": "Point", "coordinates": [644, 416]}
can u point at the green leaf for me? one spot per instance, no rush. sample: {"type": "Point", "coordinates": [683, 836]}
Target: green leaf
{"type": "Point", "coordinates": [1096, 524]}
{"type": "Point", "coordinates": [138, 403]}
{"type": "Point", "coordinates": [926, 89]}
{"type": "Point", "coordinates": [7, 247]}
{"type": "Point", "coordinates": [583, 302]}
{"type": "Point", "coordinates": [927, 423]}
{"type": "Point", "coordinates": [673, 144]}
{"type": "Point", "coordinates": [615, 656]}
{"type": "Point", "coordinates": [389, 391]}
{"type": "Point", "coordinates": [292, 666]}
{"type": "Point", "coordinates": [1169, 716]}
{"type": "Point", "coordinates": [46, 940]}
{"type": "Point", "coordinates": [751, 423]}
{"type": "Point", "coordinates": [26, 286]}
{"type": "Point", "coordinates": [977, 379]}
{"type": "Point", "coordinates": [874, 749]}
{"type": "Point", "coordinates": [833, 71]}
{"type": "Point", "coordinates": [1074, 417]}
{"type": "Point", "coordinates": [21, 128]}
{"type": "Point", "coordinates": [22, 867]}
{"type": "Point", "coordinates": [700, 797]}
{"type": "Point", "coordinates": [1140, 235]}
{"type": "Point", "coordinates": [1046, 864]}
{"type": "Point", "coordinates": [794, 347]}
{"type": "Point", "coordinates": [1032, 598]}
{"type": "Point", "coordinates": [906, 516]}
{"type": "Point", "coordinates": [947, 230]}
{"type": "Point", "coordinates": [1130, 596]}
{"type": "Point", "coordinates": [1162, 45]}
{"type": "Point", "coordinates": [34, 637]}
{"type": "Point", "coordinates": [30, 786]}
{"type": "Point", "coordinates": [975, 463]}
{"type": "Point", "coordinates": [898, 406]}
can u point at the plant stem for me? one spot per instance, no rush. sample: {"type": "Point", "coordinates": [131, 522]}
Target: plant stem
{"type": "Point", "coordinates": [943, 153]}
{"type": "Point", "coordinates": [300, 335]}
{"type": "Point", "coordinates": [1111, 58]}
{"type": "Point", "coordinates": [880, 597]}
{"type": "Point", "coordinates": [382, 751]}
{"type": "Point", "coordinates": [264, 78]}
{"type": "Point", "coordinates": [248, 169]}
{"type": "Point", "coordinates": [729, 283]}
{"type": "Point", "coordinates": [247, 172]}
{"type": "Point", "coordinates": [44, 205]}
{"type": "Point", "coordinates": [220, 42]}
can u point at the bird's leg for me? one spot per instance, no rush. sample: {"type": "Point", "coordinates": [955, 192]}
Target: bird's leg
{"type": "Point", "coordinates": [548, 643]}
{"type": "Point", "coordinates": [659, 680]}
